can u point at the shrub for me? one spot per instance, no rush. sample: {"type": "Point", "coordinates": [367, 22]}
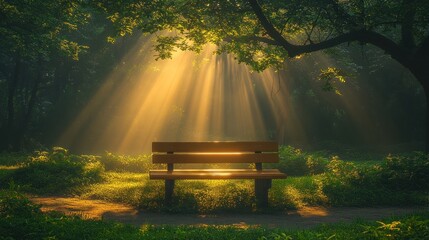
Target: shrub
{"type": "Point", "coordinates": [409, 172]}
{"type": "Point", "coordinates": [57, 171]}
{"type": "Point", "coordinates": [14, 204]}
{"type": "Point", "coordinates": [18, 216]}
{"type": "Point", "coordinates": [121, 163]}
{"type": "Point", "coordinates": [398, 181]}
{"type": "Point", "coordinates": [13, 159]}
{"type": "Point", "coordinates": [294, 162]}
{"type": "Point", "coordinates": [341, 183]}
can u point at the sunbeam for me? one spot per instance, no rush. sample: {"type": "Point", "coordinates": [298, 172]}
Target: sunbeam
{"type": "Point", "coordinates": [191, 97]}
{"type": "Point", "coordinates": [209, 97]}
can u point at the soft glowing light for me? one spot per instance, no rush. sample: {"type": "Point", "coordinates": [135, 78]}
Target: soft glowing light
{"type": "Point", "coordinates": [190, 97]}
{"type": "Point", "coordinates": [199, 97]}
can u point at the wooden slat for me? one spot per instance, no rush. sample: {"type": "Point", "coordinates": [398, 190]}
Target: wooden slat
{"type": "Point", "coordinates": [216, 158]}
{"type": "Point", "coordinates": [217, 174]}
{"type": "Point", "coordinates": [214, 147]}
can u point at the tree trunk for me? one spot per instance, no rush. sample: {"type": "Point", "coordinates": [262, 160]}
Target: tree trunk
{"type": "Point", "coordinates": [30, 105]}
{"type": "Point", "coordinates": [427, 122]}
{"type": "Point", "coordinates": [419, 67]}
{"type": "Point", "coordinates": [426, 89]}
{"type": "Point", "coordinates": [12, 86]}
{"type": "Point", "coordinates": [422, 76]}
{"type": "Point", "coordinates": [28, 110]}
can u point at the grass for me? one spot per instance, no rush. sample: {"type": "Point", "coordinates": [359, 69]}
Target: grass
{"type": "Point", "coordinates": [237, 195]}
{"type": "Point", "coordinates": [20, 219]}
{"type": "Point", "coordinates": [121, 187]}
{"type": "Point", "coordinates": [317, 180]}
{"type": "Point", "coordinates": [296, 192]}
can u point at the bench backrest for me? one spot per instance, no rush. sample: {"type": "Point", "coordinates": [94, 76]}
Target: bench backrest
{"type": "Point", "coordinates": [215, 152]}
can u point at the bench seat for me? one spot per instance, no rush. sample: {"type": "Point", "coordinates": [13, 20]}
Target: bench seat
{"type": "Point", "coordinates": [217, 174]}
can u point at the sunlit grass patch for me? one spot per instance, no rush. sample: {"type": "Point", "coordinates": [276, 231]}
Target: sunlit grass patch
{"type": "Point", "coordinates": [296, 192]}
{"type": "Point", "coordinates": [122, 187]}
{"type": "Point", "coordinates": [215, 195]}
{"type": "Point", "coordinates": [189, 195]}
{"type": "Point", "coordinates": [204, 195]}
{"type": "Point", "coordinates": [9, 167]}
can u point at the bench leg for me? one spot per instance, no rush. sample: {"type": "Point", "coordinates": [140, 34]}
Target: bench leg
{"type": "Point", "coordinates": [169, 187]}
{"type": "Point", "coordinates": [261, 192]}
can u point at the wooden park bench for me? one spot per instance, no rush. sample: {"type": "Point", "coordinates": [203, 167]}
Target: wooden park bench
{"type": "Point", "coordinates": [171, 153]}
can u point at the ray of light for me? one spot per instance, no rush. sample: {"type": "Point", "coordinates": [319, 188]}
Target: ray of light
{"type": "Point", "coordinates": [193, 97]}
{"type": "Point", "coordinates": [190, 97]}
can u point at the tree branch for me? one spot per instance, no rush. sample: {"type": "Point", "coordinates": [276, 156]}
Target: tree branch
{"type": "Point", "coordinates": [272, 32]}
{"type": "Point", "coordinates": [363, 36]}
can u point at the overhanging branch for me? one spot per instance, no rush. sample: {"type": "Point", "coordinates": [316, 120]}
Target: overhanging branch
{"type": "Point", "coordinates": [272, 32]}
{"type": "Point", "coordinates": [363, 36]}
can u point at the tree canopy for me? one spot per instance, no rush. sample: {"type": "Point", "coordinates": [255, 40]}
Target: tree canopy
{"type": "Point", "coordinates": [263, 33]}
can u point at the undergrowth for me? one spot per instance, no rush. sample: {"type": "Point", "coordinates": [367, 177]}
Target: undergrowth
{"type": "Point", "coordinates": [21, 219]}
{"type": "Point", "coordinates": [317, 179]}
{"type": "Point", "coordinates": [55, 172]}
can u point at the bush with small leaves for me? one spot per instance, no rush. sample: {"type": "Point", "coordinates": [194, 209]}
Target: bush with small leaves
{"type": "Point", "coordinates": [295, 162]}
{"type": "Point", "coordinates": [123, 163]}
{"type": "Point", "coordinates": [409, 172]}
{"type": "Point", "coordinates": [57, 171]}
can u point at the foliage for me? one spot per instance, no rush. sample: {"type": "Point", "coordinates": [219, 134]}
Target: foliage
{"type": "Point", "coordinates": [345, 184]}
{"type": "Point", "coordinates": [21, 219]}
{"type": "Point", "coordinates": [45, 71]}
{"type": "Point", "coordinates": [14, 204]}
{"type": "Point", "coordinates": [337, 183]}
{"type": "Point", "coordinates": [291, 28]}
{"type": "Point", "coordinates": [295, 162]}
{"type": "Point", "coordinates": [330, 77]}
{"type": "Point", "coordinates": [35, 29]}
{"type": "Point", "coordinates": [406, 172]}
{"type": "Point", "coordinates": [412, 227]}
{"type": "Point", "coordinates": [13, 159]}
{"type": "Point", "coordinates": [400, 178]}
{"type": "Point", "coordinates": [123, 163]}
{"type": "Point", "coordinates": [57, 171]}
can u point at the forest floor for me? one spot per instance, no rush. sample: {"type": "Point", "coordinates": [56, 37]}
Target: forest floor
{"type": "Point", "coordinates": [301, 218]}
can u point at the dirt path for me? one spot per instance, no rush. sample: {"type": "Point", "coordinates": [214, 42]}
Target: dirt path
{"type": "Point", "coordinates": [302, 218]}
